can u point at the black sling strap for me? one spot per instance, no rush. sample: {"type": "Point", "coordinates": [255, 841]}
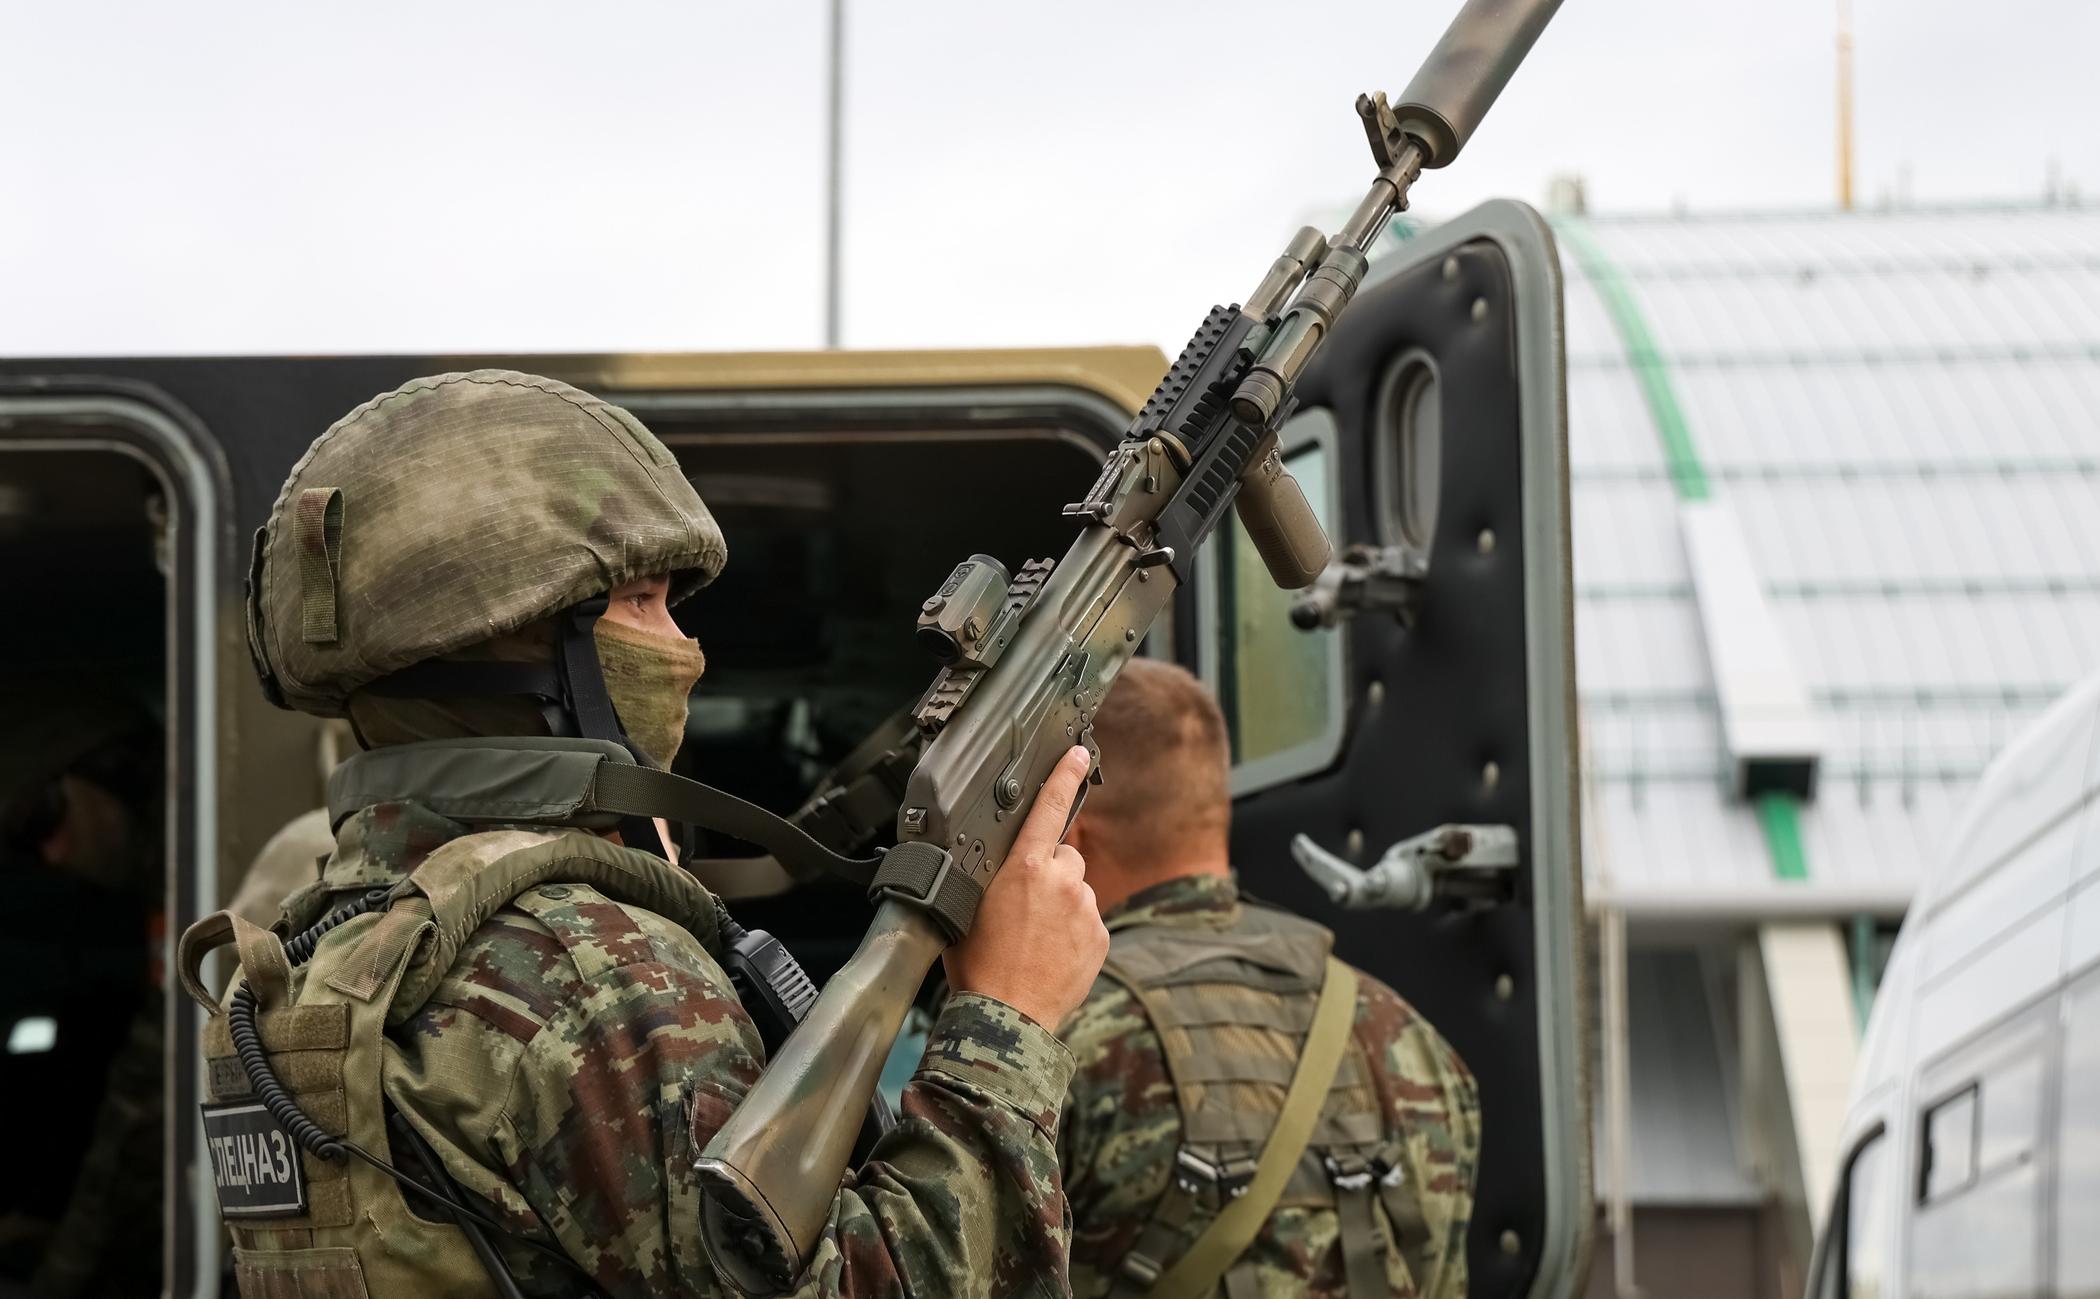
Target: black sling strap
{"type": "Point", "coordinates": [643, 791]}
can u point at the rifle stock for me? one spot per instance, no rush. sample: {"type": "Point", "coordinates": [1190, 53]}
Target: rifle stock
{"type": "Point", "coordinates": [770, 1185]}
{"type": "Point", "coordinates": [1022, 688]}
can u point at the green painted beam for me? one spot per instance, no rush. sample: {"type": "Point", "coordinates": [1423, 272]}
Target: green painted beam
{"type": "Point", "coordinates": [1644, 357]}
{"type": "Point", "coordinates": [1779, 815]}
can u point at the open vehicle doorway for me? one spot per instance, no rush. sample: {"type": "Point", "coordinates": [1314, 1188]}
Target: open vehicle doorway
{"type": "Point", "coordinates": [82, 760]}
{"type": "Point", "coordinates": [109, 497]}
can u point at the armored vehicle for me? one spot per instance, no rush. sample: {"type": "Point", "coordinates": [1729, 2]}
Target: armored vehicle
{"type": "Point", "coordinates": [1425, 682]}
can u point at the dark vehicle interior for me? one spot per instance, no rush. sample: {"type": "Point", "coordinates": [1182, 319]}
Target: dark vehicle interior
{"type": "Point", "coordinates": [80, 761]}
{"type": "Point", "coordinates": [808, 631]}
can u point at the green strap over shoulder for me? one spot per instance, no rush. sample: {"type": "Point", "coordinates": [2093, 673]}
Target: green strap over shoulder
{"type": "Point", "coordinates": [1196, 1272]}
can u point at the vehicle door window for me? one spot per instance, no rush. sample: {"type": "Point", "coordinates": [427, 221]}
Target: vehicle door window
{"type": "Point", "coordinates": [2078, 1144]}
{"type": "Point", "coordinates": [1409, 452]}
{"type": "Point", "coordinates": [1977, 1228]}
{"type": "Point", "coordinates": [1950, 1147]}
{"type": "Point", "coordinates": [1858, 1268]}
{"type": "Point", "coordinates": [1280, 687]}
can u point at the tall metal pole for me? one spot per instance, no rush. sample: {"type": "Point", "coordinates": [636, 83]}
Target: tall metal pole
{"type": "Point", "coordinates": [1844, 105]}
{"type": "Point", "coordinates": [833, 179]}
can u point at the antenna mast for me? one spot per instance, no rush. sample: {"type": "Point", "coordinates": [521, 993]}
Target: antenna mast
{"type": "Point", "coordinates": [1844, 105]}
{"type": "Point", "coordinates": [834, 168]}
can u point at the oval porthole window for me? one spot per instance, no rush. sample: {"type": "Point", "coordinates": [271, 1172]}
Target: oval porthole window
{"type": "Point", "coordinates": [1410, 424]}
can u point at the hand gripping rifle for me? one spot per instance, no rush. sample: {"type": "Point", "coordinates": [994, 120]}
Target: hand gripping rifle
{"type": "Point", "coordinates": [1030, 657]}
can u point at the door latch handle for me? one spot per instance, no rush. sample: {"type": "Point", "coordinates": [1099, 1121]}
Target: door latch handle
{"type": "Point", "coordinates": [1472, 865]}
{"type": "Point", "coordinates": [1363, 579]}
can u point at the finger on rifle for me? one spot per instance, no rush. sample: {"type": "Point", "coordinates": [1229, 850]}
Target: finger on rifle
{"type": "Point", "coordinates": [1046, 820]}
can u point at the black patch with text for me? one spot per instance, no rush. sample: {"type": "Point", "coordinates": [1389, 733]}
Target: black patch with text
{"type": "Point", "coordinates": [254, 1162]}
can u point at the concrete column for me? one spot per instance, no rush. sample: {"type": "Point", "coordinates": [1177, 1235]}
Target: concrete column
{"type": "Point", "coordinates": [1808, 988]}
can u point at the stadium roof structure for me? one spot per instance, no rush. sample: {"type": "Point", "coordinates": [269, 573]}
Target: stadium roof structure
{"type": "Point", "coordinates": [1901, 408]}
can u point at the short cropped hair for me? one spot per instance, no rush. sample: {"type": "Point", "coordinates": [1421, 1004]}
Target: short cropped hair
{"type": "Point", "coordinates": [1166, 765]}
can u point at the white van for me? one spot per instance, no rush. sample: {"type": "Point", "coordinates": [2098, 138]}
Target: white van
{"type": "Point", "coordinates": [1972, 1142]}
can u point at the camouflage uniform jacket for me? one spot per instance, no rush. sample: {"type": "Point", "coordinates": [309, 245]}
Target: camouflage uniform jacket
{"type": "Point", "coordinates": [619, 1048]}
{"type": "Point", "coordinates": [1122, 1124]}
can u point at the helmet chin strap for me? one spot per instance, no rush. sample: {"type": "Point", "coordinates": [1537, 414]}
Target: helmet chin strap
{"type": "Point", "coordinates": [588, 706]}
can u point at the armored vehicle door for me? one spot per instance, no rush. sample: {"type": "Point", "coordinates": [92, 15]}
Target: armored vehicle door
{"type": "Point", "coordinates": [1438, 693]}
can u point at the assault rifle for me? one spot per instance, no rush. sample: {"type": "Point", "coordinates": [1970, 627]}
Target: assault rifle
{"type": "Point", "coordinates": [1030, 656]}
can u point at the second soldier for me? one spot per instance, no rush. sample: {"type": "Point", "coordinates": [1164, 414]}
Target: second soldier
{"type": "Point", "coordinates": [1250, 1116]}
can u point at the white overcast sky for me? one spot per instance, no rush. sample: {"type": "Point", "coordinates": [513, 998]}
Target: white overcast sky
{"type": "Point", "coordinates": [447, 175]}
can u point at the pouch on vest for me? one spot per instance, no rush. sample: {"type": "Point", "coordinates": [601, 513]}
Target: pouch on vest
{"type": "Point", "coordinates": [1232, 1007]}
{"type": "Point", "coordinates": [322, 1026]}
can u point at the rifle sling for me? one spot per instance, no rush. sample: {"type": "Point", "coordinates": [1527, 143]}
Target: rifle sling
{"type": "Point", "coordinates": [923, 876]}
{"type": "Point", "coordinates": [646, 792]}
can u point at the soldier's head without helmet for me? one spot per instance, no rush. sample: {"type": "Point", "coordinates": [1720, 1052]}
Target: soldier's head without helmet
{"type": "Point", "coordinates": [79, 781]}
{"type": "Point", "coordinates": [1164, 807]}
{"type": "Point", "coordinates": [438, 562]}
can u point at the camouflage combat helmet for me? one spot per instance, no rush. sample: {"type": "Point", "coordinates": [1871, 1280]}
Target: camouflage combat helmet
{"type": "Point", "coordinates": [455, 509]}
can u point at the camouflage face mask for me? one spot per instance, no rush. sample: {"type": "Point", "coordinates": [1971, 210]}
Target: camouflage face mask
{"type": "Point", "coordinates": [649, 678]}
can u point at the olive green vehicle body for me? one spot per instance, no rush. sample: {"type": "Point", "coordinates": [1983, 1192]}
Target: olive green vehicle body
{"type": "Point", "coordinates": [849, 485]}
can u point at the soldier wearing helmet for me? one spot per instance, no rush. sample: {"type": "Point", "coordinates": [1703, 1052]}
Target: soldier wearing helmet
{"type": "Point", "coordinates": [490, 975]}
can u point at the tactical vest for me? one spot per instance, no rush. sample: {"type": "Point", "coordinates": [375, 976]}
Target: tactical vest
{"type": "Point", "coordinates": [354, 1233]}
{"type": "Point", "coordinates": [1232, 1008]}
